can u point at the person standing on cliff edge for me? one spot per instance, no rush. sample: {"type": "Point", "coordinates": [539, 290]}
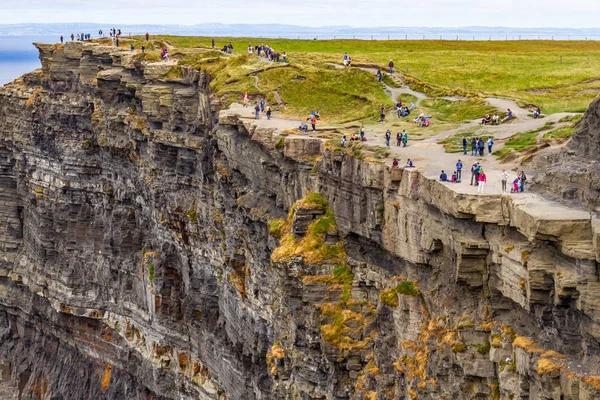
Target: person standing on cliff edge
{"type": "Point", "coordinates": [61, 39]}
{"type": "Point", "coordinates": [147, 36]}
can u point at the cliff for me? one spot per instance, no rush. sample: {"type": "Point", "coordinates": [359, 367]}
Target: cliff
{"type": "Point", "coordinates": [156, 247]}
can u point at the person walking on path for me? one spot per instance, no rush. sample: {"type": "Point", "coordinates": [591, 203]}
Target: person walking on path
{"type": "Point", "coordinates": [459, 166]}
{"type": "Point", "coordinates": [398, 139]}
{"type": "Point", "coordinates": [256, 112]}
{"type": "Point", "coordinates": [482, 179]}
{"type": "Point", "coordinates": [213, 44]}
{"type": "Point", "coordinates": [481, 146]}
{"type": "Point", "coordinates": [503, 179]}
{"type": "Point", "coordinates": [522, 179]}
{"type": "Point", "coordinates": [313, 122]}
{"type": "Point", "coordinates": [382, 114]}
{"type": "Point", "coordinates": [490, 143]}
{"type": "Point", "coordinates": [147, 36]}
{"type": "Point", "coordinates": [465, 142]}
{"type": "Point", "coordinates": [262, 105]}
{"type": "Point", "coordinates": [404, 138]}
{"type": "Point", "coordinates": [379, 76]}
{"type": "Point", "coordinates": [388, 135]}
{"type": "Point", "coordinates": [245, 99]}
{"type": "Point", "coordinates": [268, 112]}
{"type": "Point", "coordinates": [391, 67]}
{"type": "Point", "coordinates": [474, 173]}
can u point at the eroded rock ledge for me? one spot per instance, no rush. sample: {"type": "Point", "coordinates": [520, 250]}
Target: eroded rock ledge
{"type": "Point", "coordinates": [148, 252]}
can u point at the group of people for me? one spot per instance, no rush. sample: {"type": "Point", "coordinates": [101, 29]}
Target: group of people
{"type": "Point", "coordinates": [347, 60]}
{"type": "Point", "coordinates": [312, 119]}
{"type": "Point", "coordinates": [478, 145]}
{"type": "Point", "coordinates": [114, 34]}
{"type": "Point", "coordinates": [422, 120]}
{"type": "Point", "coordinates": [495, 119]}
{"type": "Point", "coordinates": [396, 163]}
{"type": "Point", "coordinates": [479, 178]}
{"type": "Point", "coordinates": [401, 138]}
{"type": "Point", "coordinates": [227, 49]}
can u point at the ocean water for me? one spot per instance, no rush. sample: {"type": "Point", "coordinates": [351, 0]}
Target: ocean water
{"type": "Point", "coordinates": [19, 56]}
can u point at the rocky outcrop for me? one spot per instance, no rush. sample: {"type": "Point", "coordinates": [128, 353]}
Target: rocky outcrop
{"type": "Point", "coordinates": [154, 246]}
{"type": "Point", "coordinates": [571, 174]}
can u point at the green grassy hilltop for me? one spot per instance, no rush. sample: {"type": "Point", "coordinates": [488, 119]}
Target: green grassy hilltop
{"type": "Point", "coordinates": [558, 76]}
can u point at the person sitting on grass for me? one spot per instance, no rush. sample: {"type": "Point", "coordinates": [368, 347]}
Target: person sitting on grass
{"type": "Point", "coordinates": [419, 119]}
{"type": "Point", "coordinates": [486, 120]}
{"type": "Point", "coordinates": [496, 119]}
{"type": "Point", "coordinates": [354, 137]}
{"type": "Point", "coordinates": [395, 163]}
{"type": "Point", "coordinates": [536, 113]}
{"type": "Point", "coordinates": [443, 177]}
{"type": "Point", "coordinates": [509, 115]}
{"type": "Point", "coordinates": [343, 141]}
{"type": "Point", "coordinates": [411, 107]}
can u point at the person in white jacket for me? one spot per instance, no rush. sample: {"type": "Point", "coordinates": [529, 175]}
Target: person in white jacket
{"type": "Point", "coordinates": [503, 179]}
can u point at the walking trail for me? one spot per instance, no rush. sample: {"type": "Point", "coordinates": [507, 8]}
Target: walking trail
{"type": "Point", "coordinates": [430, 157]}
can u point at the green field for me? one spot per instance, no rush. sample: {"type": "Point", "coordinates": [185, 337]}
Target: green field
{"type": "Point", "coordinates": [555, 75]}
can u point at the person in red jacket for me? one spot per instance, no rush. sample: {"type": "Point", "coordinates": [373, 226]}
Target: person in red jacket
{"type": "Point", "coordinates": [391, 66]}
{"type": "Point", "coordinates": [147, 36]}
{"type": "Point", "coordinates": [482, 179]}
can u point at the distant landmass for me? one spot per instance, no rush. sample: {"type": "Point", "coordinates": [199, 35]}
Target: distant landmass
{"type": "Point", "coordinates": [304, 32]}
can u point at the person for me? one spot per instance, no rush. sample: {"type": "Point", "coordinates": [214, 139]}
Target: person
{"type": "Point", "coordinates": [147, 36]}
{"type": "Point", "coordinates": [78, 37]}
{"type": "Point", "coordinates": [459, 166]}
{"type": "Point", "coordinates": [398, 139]}
{"type": "Point", "coordinates": [412, 106]}
{"type": "Point", "coordinates": [349, 61]}
{"type": "Point", "coordinates": [313, 122]}
{"type": "Point", "coordinates": [522, 179]}
{"type": "Point", "coordinates": [409, 163]}
{"type": "Point", "coordinates": [100, 33]}
{"type": "Point", "coordinates": [404, 138]}
{"type": "Point", "coordinates": [536, 113]}
{"type": "Point", "coordinates": [303, 127]}
{"type": "Point", "coordinates": [474, 173]}
{"type": "Point", "coordinates": [262, 105]}
{"type": "Point", "coordinates": [516, 185]}
{"type": "Point", "coordinates": [509, 115]}
{"type": "Point", "coordinates": [61, 39]}
{"type": "Point", "coordinates": [268, 112]}
{"type": "Point", "coordinates": [354, 137]}
{"type": "Point", "coordinates": [399, 107]}
{"type": "Point", "coordinates": [481, 146]}
{"type": "Point", "coordinates": [391, 66]}
{"type": "Point", "coordinates": [343, 141]}
{"type": "Point", "coordinates": [117, 42]}
{"type": "Point", "coordinates": [382, 114]}
{"type": "Point", "coordinates": [388, 136]}
{"type": "Point", "coordinates": [143, 49]}
{"type": "Point", "coordinates": [490, 143]}
{"type": "Point", "coordinates": [284, 57]}
{"type": "Point", "coordinates": [72, 37]}
{"type": "Point", "coordinates": [379, 76]}
{"type": "Point", "coordinates": [474, 147]}
{"type": "Point", "coordinates": [443, 176]}
{"type": "Point", "coordinates": [230, 48]}
{"type": "Point", "coordinates": [395, 163]}
{"type": "Point", "coordinates": [482, 179]}
{"type": "Point", "coordinates": [486, 120]}
{"type": "Point", "coordinates": [245, 99]}
{"type": "Point", "coordinates": [465, 143]}
{"type": "Point", "coordinates": [213, 44]}
{"type": "Point", "coordinates": [131, 47]}
{"type": "Point", "coordinates": [419, 119]}
{"type": "Point", "coordinates": [362, 134]}
{"type": "Point", "coordinates": [454, 178]}
{"type": "Point", "coordinates": [503, 179]}
{"type": "Point", "coordinates": [345, 59]}
{"type": "Point", "coordinates": [257, 111]}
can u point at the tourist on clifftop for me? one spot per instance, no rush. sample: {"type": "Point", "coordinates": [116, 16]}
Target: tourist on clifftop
{"type": "Point", "coordinates": [503, 179]}
{"type": "Point", "coordinates": [388, 136]}
{"type": "Point", "coordinates": [482, 179]}
{"type": "Point", "coordinates": [443, 177]}
{"type": "Point", "coordinates": [256, 112]}
{"type": "Point", "coordinates": [465, 142]}
{"type": "Point", "coordinates": [459, 166]}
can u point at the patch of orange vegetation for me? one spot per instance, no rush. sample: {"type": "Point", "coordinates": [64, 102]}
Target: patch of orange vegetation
{"type": "Point", "coordinates": [546, 366]}
{"type": "Point", "coordinates": [106, 374]}
{"type": "Point", "coordinates": [593, 381]}
{"type": "Point", "coordinates": [553, 354]}
{"type": "Point", "coordinates": [183, 361]}
{"type": "Point", "coordinates": [527, 344]}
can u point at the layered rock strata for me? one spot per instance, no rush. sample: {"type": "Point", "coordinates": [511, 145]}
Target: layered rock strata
{"type": "Point", "coordinates": [156, 248]}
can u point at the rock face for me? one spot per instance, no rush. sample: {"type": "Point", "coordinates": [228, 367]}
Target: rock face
{"type": "Point", "coordinates": [145, 254]}
{"type": "Point", "coordinates": [572, 173]}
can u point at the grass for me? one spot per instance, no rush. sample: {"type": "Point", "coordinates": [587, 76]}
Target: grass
{"type": "Point", "coordinates": [556, 75]}
{"type": "Point", "coordinates": [522, 141]}
{"type": "Point", "coordinates": [312, 247]}
{"type": "Point", "coordinates": [457, 111]}
{"type": "Point", "coordinates": [453, 144]}
{"type": "Point", "coordinates": [389, 296]}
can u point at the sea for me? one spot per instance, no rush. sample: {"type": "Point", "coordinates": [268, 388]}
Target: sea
{"type": "Point", "coordinates": [18, 55]}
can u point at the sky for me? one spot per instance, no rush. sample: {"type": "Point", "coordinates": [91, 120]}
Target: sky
{"type": "Point", "coordinates": [359, 13]}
